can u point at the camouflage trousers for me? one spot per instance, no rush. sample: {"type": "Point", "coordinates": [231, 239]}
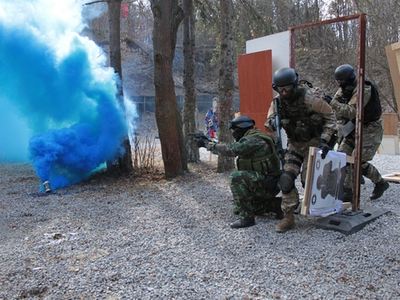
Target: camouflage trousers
{"type": "Point", "coordinates": [251, 195]}
{"type": "Point", "coordinates": [372, 138]}
{"type": "Point", "coordinates": [296, 161]}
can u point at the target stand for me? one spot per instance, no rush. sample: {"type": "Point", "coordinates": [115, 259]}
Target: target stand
{"type": "Point", "coordinates": [348, 221]}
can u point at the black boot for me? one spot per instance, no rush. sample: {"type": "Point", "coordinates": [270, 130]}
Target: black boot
{"type": "Point", "coordinates": [380, 187]}
{"type": "Point", "coordinates": [347, 195]}
{"type": "Point", "coordinates": [246, 222]}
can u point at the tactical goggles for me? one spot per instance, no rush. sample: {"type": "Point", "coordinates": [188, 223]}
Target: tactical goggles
{"type": "Point", "coordinates": [341, 81]}
{"type": "Point", "coordinates": [287, 88]}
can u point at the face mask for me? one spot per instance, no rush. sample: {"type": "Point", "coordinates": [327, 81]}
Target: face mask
{"type": "Point", "coordinates": [239, 133]}
{"type": "Point", "coordinates": [348, 84]}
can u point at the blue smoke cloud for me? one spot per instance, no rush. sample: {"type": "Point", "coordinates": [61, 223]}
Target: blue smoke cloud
{"type": "Point", "coordinates": [56, 84]}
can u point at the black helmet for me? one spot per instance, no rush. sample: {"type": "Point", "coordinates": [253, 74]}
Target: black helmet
{"type": "Point", "coordinates": [285, 76]}
{"type": "Point", "coordinates": [345, 72]}
{"type": "Point", "coordinates": [240, 125]}
{"type": "Point", "coordinates": [241, 122]}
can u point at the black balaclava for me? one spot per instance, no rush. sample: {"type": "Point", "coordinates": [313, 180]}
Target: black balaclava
{"type": "Point", "coordinates": [239, 133]}
{"type": "Point", "coordinates": [348, 87]}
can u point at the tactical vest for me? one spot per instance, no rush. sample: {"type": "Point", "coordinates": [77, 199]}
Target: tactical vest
{"type": "Point", "coordinates": [300, 123]}
{"type": "Point", "coordinates": [373, 109]}
{"type": "Point", "coordinates": [267, 164]}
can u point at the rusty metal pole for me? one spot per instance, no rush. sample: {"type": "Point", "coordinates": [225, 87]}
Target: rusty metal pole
{"type": "Point", "coordinates": [360, 112]}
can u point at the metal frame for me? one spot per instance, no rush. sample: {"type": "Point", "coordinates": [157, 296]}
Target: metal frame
{"type": "Point", "coordinates": [360, 91]}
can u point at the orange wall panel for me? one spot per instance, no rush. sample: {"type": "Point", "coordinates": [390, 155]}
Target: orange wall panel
{"type": "Point", "coordinates": [255, 85]}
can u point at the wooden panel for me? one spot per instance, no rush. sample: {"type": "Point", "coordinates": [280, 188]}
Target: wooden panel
{"type": "Point", "coordinates": [394, 177]}
{"type": "Point", "coordinates": [390, 124]}
{"type": "Point", "coordinates": [393, 57]}
{"type": "Point", "coordinates": [255, 85]}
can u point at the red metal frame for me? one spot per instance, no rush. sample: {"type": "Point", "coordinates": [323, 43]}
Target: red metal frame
{"type": "Point", "coordinates": [360, 91]}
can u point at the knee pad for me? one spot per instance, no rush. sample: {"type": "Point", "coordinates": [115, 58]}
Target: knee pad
{"type": "Point", "coordinates": [286, 182]}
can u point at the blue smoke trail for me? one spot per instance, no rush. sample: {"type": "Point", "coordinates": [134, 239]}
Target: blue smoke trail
{"type": "Point", "coordinates": [67, 100]}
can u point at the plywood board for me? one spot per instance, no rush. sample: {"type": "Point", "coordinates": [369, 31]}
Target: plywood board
{"type": "Point", "coordinates": [279, 43]}
{"type": "Point", "coordinates": [255, 85]}
{"type": "Point", "coordinates": [393, 58]}
{"type": "Point", "coordinates": [389, 145]}
{"type": "Point", "coordinates": [393, 177]}
{"type": "Point", "coordinates": [390, 124]}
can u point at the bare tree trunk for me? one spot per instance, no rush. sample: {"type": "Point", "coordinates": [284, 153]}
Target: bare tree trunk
{"type": "Point", "coordinates": [226, 82]}
{"type": "Point", "coordinates": [114, 11]}
{"type": "Point", "coordinates": [190, 112]}
{"type": "Point", "coordinates": [167, 17]}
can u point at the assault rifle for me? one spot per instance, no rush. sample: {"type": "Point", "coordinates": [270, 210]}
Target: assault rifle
{"type": "Point", "coordinates": [198, 135]}
{"type": "Point", "coordinates": [200, 138]}
{"type": "Point", "coordinates": [278, 136]}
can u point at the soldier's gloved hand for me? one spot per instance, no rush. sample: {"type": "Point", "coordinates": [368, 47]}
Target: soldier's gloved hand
{"type": "Point", "coordinates": [210, 145]}
{"type": "Point", "coordinates": [323, 145]}
{"type": "Point", "coordinates": [202, 141]}
{"type": "Point", "coordinates": [342, 100]}
{"type": "Point", "coordinates": [327, 98]}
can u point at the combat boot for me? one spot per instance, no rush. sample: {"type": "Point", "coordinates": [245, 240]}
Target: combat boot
{"type": "Point", "coordinates": [380, 187]}
{"type": "Point", "coordinates": [246, 222]}
{"type": "Point", "coordinates": [286, 223]}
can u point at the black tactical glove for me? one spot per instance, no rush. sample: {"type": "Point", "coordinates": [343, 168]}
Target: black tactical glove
{"type": "Point", "coordinates": [323, 145]}
{"type": "Point", "coordinates": [327, 98]}
{"type": "Point", "coordinates": [202, 141]}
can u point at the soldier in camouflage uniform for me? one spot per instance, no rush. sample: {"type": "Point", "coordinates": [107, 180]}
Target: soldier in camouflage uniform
{"type": "Point", "coordinates": [309, 121]}
{"type": "Point", "coordinates": [344, 104]}
{"type": "Point", "coordinates": [254, 183]}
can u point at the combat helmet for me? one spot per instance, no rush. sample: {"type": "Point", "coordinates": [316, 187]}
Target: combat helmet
{"type": "Point", "coordinates": [286, 81]}
{"type": "Point", "coordinates": [345, 75]}
{"type": "Point", "coordinates": [240, 125]}
{"type": "Point", "coordinates": [284, 76]}
{"type": "Point", "coordinates": [242, 121]}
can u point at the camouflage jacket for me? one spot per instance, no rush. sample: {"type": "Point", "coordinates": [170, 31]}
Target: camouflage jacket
{"type": "Point", "coordinates": [255, 151]}
{"type": "Point", "coordinates": [312, 100]}
{"type": "Point", "coordinates": [347, 108]}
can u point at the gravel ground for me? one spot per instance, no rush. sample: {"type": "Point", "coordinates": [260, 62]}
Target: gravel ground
{"type": "Point", "coordinates": [149, 238]}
